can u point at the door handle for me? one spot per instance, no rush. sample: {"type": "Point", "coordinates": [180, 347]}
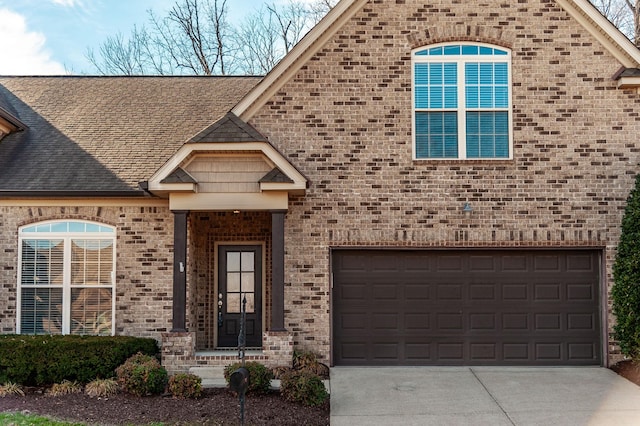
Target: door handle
{"type": "Point", "coordinates": [220, 320]}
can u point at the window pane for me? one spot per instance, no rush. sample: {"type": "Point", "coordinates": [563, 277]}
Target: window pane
{"type": "Point", "coordinates": [486, 50]}
{"type": "Point", "coordinates": [421, 73]}
{"type": "Point", "coordinates": [42, 262]}
{"type": "Point", "coordinates": [251, 304]}
{"type": "Point", "coordinates": [450, 97]}
{"type": "Point", "coordinates": [487, 135]}
{"type": "Point", "coordinates": [501, 73]}
{"type": "Point", "coordinates": [502, 97]}
{"type": "Point", "coordinates": [436, 51]}
{"type": "Point", "coordinates": [469, 50]}
{"type": "Point", "coordinates": [248, 262]}
{"type": "Point", "coordinates": [436, 98]}
{"type": "Point", "coordinates": [91, 262]}
{"type": "Point", "coordinates": [91, 312]}
{"type": "Point", "coordinates": [41, 311]}
{"type": "Point", "coordinates": [248, 282]}
{"type": "Point", "coordinates": [436, 74]}
{"type": "Point", "coordinates": [422, 97]}
{"type": "Point", "coordinates": [436, 134]}
{"type": "Point", "coordinates": [234, 303]}
{"type": "Point", "coordinates": [452, 50]}
{"type": "Point", "coordinates": [233, 281]}
{"type": "Point", "coordinates": [233, 261]}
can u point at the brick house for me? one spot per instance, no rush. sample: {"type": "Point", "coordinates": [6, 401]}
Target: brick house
{"type": "Point", "coordinates": [416, 183]}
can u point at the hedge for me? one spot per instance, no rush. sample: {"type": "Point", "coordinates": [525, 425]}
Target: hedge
{"type": "Point", "coordinates": [625, 292]}
{"type": "Point", "coordinates": [45, 359]}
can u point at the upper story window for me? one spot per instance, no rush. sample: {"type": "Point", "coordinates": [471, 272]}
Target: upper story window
{"type": "Point", "coordinates": [66, 271]}
{"type": "Point", "coordinates": [462, 102]}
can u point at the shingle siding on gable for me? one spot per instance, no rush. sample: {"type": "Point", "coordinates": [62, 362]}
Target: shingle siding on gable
{"type": "Point", "coordinates": [345, 121]}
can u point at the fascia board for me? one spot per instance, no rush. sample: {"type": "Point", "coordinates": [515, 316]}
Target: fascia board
{"type": "Point", "coordinates": [604, 31]}
{"type": "Point", "coordinates": [298, 56]}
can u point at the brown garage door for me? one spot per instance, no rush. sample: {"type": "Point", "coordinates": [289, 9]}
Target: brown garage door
{"type": "Point", "coordinates": [467, 307]}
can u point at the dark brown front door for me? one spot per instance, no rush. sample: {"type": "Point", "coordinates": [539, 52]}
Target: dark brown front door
{"type": "Point", "coordinates": [466, 307]}
{"type": "Point", "coordinates": [239, 278]}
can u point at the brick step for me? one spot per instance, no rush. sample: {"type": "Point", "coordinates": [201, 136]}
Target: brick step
{"type": "Point", "coordinates": [213, 377]}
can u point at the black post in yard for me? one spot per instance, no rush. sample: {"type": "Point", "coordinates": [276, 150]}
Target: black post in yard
{"type": "Point", "coordinates": [239, 380]}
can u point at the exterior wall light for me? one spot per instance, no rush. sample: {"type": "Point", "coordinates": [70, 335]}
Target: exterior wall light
{"type": "Point", "coordinates": [467, 209]}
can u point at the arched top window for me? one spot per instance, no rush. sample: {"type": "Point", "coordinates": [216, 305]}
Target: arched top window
{"type": "Point", "coordinates": [67, 278]}
{"type": "Point", "coordinates": [462, 101]}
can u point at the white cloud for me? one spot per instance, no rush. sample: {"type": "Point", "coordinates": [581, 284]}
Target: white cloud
{"type": "Point", "coordinates": [23, 51]}
{"type": "Point", "coordinates": [67, 3]}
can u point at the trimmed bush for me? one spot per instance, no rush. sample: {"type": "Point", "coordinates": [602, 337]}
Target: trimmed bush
{"type": "Point", "coordinates": [185, 386]}
{"type": "Point", "coordinates": [44, 359]}
{"type": "Point", "coordinates": [303, 387]}
{"type": "Point", "coordinates": [142, 375]}
{"type": "Point", "coordinates": [259, 376]}
{"type": "Point", "coordinates": [625, 292]}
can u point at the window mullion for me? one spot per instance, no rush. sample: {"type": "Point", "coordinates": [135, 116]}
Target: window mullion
{"type": "Point", "coordinates": [66, 288]}
{"type": "Point", "coordinates": [462, 112]}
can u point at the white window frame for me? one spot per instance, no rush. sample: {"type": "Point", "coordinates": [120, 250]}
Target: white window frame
{"type": "Point", "coordinates": [461, 109]}
{"type": "Point", "coordinates": [67, 237]}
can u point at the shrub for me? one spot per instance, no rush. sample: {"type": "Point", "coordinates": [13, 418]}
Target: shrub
{"type": "Point", "coordinates": [101, 388]}
{"type": "Point", "coordinates": [303, 387]}
{"type": "Point", "coordinates": [185, 386]}
{"type": "Point", "coordinates": [11, 388]}
{"type": "Point", "coordinates": [625, 292]}
{"type": "Point", "coordinates": [259, 376]}
{"type": "Point", "coordinates": [45, 359]}
{"type": "Point", "coordinates": [64, 388]}
{"type": "Point", "coordinates": [142, 375]}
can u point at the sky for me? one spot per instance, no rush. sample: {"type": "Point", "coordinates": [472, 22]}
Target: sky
{"type": "Point", "coordinates": [51, 37]}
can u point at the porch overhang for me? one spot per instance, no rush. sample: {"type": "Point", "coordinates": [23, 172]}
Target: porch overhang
{"type": "Point", "coordinates": [227, 176]}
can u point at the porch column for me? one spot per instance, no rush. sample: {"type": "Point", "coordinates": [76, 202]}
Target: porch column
{"type": "Point", "coordinates": [277, 270]}
{"type": "Point", "coordinates": [179, 270]}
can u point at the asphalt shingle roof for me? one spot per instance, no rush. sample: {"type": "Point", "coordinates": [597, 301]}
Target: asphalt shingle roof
{"type": "Point", "coordinates": [105, 133]}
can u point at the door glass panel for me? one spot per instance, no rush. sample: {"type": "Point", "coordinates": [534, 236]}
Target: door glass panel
{"type": "Point", "coordinates": [248, 282]}
{"type": "Point", "coordinates": [251, 305]}
{"type": "Point", "coordinates": [233, 303]}
{"type": "Point", "coordinates": [247, 261]}
{"type": "Point", "coordinates": [233, 261]}
{"type": "Point", "coordinates": [233, 281]}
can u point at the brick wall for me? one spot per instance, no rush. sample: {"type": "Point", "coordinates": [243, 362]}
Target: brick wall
{"type": "Point", "coordinates": [345, 121]}
{"type": "Point", "coordinates": [144, 263]}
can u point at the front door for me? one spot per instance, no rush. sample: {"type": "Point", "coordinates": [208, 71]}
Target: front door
{"type": "Point", "coordinates": [239, 277]}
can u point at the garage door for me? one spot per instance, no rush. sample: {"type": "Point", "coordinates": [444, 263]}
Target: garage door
{"type": "Point", "coordinates": [485, 307]}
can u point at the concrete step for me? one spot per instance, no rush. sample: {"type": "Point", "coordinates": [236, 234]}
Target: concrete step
{"type": "Point", "coordinates": [213, 377]}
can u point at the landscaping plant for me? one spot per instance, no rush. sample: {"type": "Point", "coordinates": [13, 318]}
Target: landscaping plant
{"type": "Point", "coordinates": [11, 388]}
{"type": "Point", "coordinates": [64, 388]}
{"type": "Point", "coordinates": [101, 388]}
{"type": "Point", "coordinates": [185, 385]}
{"type": "Point", "coordinates": [303, 387]}
{"type": "Point", "coordinates": [142, 375]}
{"type": "Point", "coordinates": [259, 376]}
{"type": "Point", "coordinates": [625, 293]}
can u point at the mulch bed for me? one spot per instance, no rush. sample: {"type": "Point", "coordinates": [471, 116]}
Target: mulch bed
{"type": "Point", "coordinates": [215, 407]}
{"type": "Point", "coordinates": [629, 370]}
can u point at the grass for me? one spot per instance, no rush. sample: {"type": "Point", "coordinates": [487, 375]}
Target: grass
{"type": "Point", "coordinates": [19, 419]}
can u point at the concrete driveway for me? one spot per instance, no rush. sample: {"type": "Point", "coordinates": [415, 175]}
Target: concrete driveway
{"type": "Point", "coordinates": [482, 396]}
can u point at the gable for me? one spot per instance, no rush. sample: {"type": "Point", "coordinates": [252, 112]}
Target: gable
{"type": "Point", "coordinates": [422, 21]}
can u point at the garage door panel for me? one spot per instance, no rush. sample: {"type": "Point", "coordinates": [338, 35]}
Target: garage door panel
{"type": "Point", "coordinates": [497, 307]}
